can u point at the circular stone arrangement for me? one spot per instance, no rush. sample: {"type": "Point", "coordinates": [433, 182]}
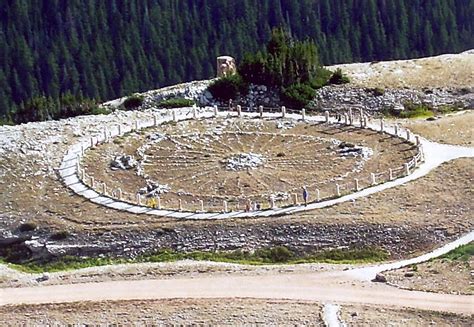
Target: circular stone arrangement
{"type": "Point", "coordinates": [226, 163]}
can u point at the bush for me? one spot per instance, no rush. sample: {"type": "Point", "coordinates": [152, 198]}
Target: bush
{"type": "Point", "coordinates": [321, 79]}
{"type": "Point", "coordinates": [377, 91]}
{"type": "Point", "coordinates": [27, 227]}
{"type": "Point", "coordinates": [133, 102]}
{"type": "Point", "coordinates": [58, 236]}
{"type": "Point", "coordinates": [176, 103]}
{"type": "Point", "coordinates": [276, 254]}
{"type": "Point", "coordinates": [227, 88]}
{"type": "Point", "coordinates": [297, 96]}
{"type": "Point", "coordinates": [338, 77]}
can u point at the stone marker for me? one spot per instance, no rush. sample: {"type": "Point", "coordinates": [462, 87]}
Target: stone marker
{"type": "Point", "coordinates": [226, 66]}
{"type": "Point", "coordinates": [318, 197]}
{"type": "Point", "coordinates": [180, 205]}
{"type": "Point", "coordinates": [260, 109]}
{"type": "Point", "coordinates": [239, 110]}
{"type": "Point", "coordinates": [104, 189]}
{"type": "Point", "coordinates": [303, 114]}
{"type": "Point", "coordinates": [283, 111]}
{"type": "Point", "coordinates": [326, 115]}
{"type": "Point", "coordinates": [390, 174]}
{"type": "Point", "coordinates": [407, 169]}
{"type": "Point", "coordinates": [215, 111]}
{"type": "Point", "coordinates": [356, 184]}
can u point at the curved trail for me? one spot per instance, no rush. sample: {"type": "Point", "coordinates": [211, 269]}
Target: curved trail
{"type": "Point", "coordinates": [350, 286]}
{"type": "Point", "coordinates": [334, 287]}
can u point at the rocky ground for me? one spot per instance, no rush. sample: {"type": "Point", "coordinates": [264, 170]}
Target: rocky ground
{"type": "Point", "coordinates": [359, 315]}
{"type": "Point", "coordinates": [445, 71]}
{"type": "Point", "coordinates": [168, 312]}
{"type": "Point", "coordinates": [217, 312]}
{"type": "Point", "coordinates": [439, 275]}
{"type": "Point", "coordinates": [449, 129]}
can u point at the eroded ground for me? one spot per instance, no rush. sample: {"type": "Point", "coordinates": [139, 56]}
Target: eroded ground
{"type": "Point", "coordinates": [439, 275]}
{"type": "Point", "coordinates": [165, 312]}
{"type": "Point", "coordinates": [358, 315]}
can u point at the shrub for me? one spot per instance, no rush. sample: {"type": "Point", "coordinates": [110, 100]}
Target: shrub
{"type": "Point", "coordinates": [338, 77]}
{"type": "Point", "coordinates": [377, 91]}
{"type": "Point", "coordinates": [276, 254]}
{"type": "Point", "coordinates": [58, 236]}
{"type": "Point", "coordinates": [297, 96]}
{"type": "Point", "coordinates": [227, 88]}
{"type": "Point", "coordinates": [176, 103]}
{"type": "Point", "coordinates": [133, 102]}
{"type": "Point", "coordinates": [321, 79]}
{"type": "Point", "coordinates": [27, 227]}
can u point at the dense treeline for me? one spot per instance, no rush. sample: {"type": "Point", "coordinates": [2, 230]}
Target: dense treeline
{"type": "Point", "coordinates": [105, 49]}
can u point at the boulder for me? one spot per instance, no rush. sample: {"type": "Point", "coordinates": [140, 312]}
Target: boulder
{"type": "Point", "coordinates": [123, 162]}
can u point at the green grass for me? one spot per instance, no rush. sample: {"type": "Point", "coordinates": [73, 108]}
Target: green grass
{"type": "Point", "coordinates": [275, 255]}
{"type": "Point", "coordinates": [176, 103]}
{"type": "Point", "coordinates": [461, 253]}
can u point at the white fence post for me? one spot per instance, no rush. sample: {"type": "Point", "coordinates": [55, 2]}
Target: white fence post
{"type": "Point", "coordinates": [407, 169]}
{"type": "Point", "coordinates": [283, 111]}
{"type": "Point", "coordinates": [303, 114]}
{"type": "Point", "coordinates": [260, 109]}
{"type": "Point", "coordinates": [225, 206]}
{"type": "Point", "coordinates": [216, 110]}
{"type": "Point", "coordinates": [356, 184]}
{"type": "Point", "coordinates": [373, 179]}
{"type": "Point", "coordinates": [239, 110]}
{"type": "Point", "coordinates": [338, 190]}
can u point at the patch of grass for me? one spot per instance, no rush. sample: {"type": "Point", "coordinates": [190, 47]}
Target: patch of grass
{"type": "Point", "coordinates": [461, 253]}
{"type": "Point", "coordinates": [176, 103]}
{"type": "Point", "coordinates": [411, 111]}
{"type": "Point", "coordinates": [273, 255]}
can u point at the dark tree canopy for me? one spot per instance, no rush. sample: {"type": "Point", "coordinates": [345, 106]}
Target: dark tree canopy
{"type": "Point", "coordinates": [107, 49]}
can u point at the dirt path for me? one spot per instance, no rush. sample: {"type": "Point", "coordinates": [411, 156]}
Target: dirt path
{"type": "Point", "coordinates": [315, 287]}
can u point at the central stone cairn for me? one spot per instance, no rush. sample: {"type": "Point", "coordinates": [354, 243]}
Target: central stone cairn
{"type": "Point", "coordinates": [244, 161]}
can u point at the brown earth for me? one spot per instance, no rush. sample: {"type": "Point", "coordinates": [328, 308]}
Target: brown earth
{"type": "Point", "coordinates": [167, 312]}
{"type": "Point", "coordinates": [363, 315]}
{"type": "Point", "coordinates": [450, 70]}
{"type": "Point", "coordinates": [450, 129]}
{"type": "Point", "coordinates": [194, 166]}
{"type": "Point", "coordinates": [439, 275]}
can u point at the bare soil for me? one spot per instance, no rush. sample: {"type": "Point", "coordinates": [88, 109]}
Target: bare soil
{"type": "Point", "coordinates": [192, 161]}
{"type": "Point", "coordinates": [449, 129]}
{"type": "Point", "coordinates": [450, 70]}
{"type": "Point", "coordinates": [439, 275]}
{"type": "Point", "coordinates": [363, 315]}
{"type": "Point", "coordinates": [167, 312]}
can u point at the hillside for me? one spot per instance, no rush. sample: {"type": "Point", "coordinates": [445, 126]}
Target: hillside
{"type": "Point", "coordinates": [110, 49]}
